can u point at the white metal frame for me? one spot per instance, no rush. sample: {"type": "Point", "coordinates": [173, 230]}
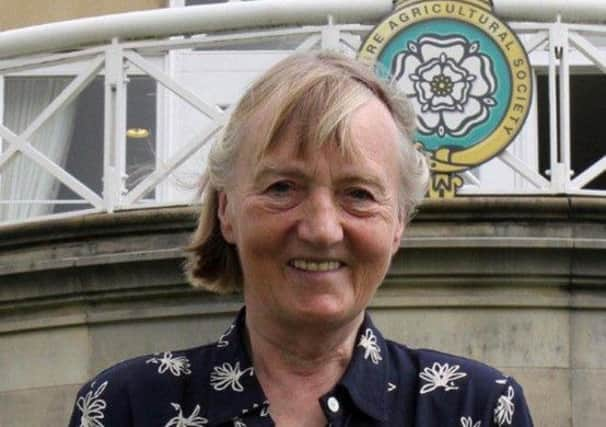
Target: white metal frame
{"type": "Point", "coordinates": [19, 144]}
{"type": "Point", "coordinates": [549, 44]}
{"type": "Point", "coordinates": [563, 46]}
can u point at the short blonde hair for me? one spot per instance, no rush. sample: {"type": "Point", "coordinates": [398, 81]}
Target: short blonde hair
{"type": "Point", "coordinates": [323, 87]}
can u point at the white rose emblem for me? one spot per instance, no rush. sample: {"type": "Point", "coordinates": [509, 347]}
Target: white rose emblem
{"type": "Point", "coordinates": [450, 83]}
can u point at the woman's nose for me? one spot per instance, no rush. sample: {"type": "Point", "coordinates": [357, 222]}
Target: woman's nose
{"type": "Point", "coordinates": [321, 222]}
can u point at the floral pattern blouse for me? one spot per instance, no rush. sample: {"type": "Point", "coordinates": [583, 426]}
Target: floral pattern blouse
{"type": "Point", "coordinates": [386, 384]}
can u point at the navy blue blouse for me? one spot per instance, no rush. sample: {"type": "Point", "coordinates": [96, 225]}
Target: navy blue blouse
{"type": "Point", "coordinates": [386, 384]}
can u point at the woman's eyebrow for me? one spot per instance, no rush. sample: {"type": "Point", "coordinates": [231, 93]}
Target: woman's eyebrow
{"type": "Point", "coordinates": [366, 179]}
{"type": "Point", "coordinates": [269, 170]}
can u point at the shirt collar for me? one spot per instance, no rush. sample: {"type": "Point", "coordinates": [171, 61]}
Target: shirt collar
{"type": "Point", "coordinates": [234, 391]}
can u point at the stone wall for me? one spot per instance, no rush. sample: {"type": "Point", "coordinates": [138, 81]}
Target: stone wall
{"type": "Point", "coordinates": [518, 283]}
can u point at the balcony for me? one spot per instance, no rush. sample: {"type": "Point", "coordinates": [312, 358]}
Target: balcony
{"type": "Point", "coordinates": [117, 112]}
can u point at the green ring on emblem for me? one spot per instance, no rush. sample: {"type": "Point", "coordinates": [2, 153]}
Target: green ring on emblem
{"type": "Point", "coordinates": [473, 95]}
{"type": "Point", "coordinates": [447, 27]}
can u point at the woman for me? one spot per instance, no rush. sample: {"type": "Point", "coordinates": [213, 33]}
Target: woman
{"type": "Point", "coordinates": [307, 195]}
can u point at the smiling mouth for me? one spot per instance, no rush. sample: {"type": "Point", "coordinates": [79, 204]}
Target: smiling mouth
{"type": "Point", "coordinates": [315, 266]}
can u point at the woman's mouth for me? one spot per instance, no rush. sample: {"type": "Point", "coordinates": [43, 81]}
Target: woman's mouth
{"type": "Point", "coordinates": [315, 266]}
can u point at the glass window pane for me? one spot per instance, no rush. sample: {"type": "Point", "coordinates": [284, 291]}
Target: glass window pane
{"type": "Point", "coordinates": [141, 130]}
{"type": "Point", "coordinates": [586, 130]}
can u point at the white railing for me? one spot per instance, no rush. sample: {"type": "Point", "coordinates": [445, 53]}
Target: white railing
{"type": "Point", "coordinates": [552, 48]}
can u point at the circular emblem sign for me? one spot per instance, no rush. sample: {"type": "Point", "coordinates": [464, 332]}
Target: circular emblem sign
{"type": "Point", "coordinates": [465, 72]}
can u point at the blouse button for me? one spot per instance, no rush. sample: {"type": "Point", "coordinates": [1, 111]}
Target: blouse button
{"type": "Point", "coordinates": [333, 404]}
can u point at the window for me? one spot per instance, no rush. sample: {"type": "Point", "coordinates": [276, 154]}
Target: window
{"type": "Point", "coordinates": [85, 160]}
{"type": "Point", "coordinates": [587, 131]}
{"type": "Point", "coordinates": [73, 138]}
{"type": "Point", "coordinates": [26, 187]}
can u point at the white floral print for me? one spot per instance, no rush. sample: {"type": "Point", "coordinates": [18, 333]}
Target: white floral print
{"type": "Point", "coordinates": [369, 341]}
{"type": "Point", "coordinates": [440, 376]}
{"type": "Point", "coordinates": [503, 413]}
{"type": "Point", "coordinates": [180, 421]}
{"type": "Point", "coordinates": [177, 365]}
{"type": "Point", "coordinates": [468, 422]}
{"type": "Point", "coordinates": [222, 341]}
{"type": "Point", "coordinates": [391, 387]}
{"type": "Point", "coordinates": [449, 81]}
{"type": "Point", "coordinates": [92, 406]}
{"type": "Point", "coordinates": [239, 423]}
{"type": "Point", "coordinates": [225, 376]}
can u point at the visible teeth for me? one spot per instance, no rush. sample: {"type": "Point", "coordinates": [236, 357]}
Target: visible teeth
{"type": "Point", "coordinates": [316, 266]}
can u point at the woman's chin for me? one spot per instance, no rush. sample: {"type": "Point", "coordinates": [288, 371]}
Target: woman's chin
{"type": "Point", "coordinates": [323, 313]}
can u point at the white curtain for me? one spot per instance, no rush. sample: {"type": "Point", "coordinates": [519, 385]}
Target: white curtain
{"type": "Point", "coordinates": [23, 179]}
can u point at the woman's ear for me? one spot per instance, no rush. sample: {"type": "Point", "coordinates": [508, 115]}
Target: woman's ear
{"type": "Point", "coordinates": [225, 219]}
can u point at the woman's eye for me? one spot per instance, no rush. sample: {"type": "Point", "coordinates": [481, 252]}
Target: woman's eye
{"type": "Point", "coordinates": [360, 194]}
{"type": "Point", "coordinates": [280, 187]}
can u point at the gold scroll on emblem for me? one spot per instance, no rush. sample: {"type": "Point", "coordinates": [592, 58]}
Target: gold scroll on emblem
{"type": "Point", "coordinates": [444, 185]}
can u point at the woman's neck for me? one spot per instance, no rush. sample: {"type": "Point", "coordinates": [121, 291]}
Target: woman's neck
{"type": "Point", "coordinates": [300, 351]}
{"type": "Point", "coordinates": [295, 367]}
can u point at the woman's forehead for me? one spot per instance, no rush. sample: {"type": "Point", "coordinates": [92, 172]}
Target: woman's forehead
{"type": "Point", "coordinates": [369, 121]}
{"type": "Point", "coordinates": [371, 138]}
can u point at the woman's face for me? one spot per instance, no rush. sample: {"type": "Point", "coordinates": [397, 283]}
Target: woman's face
{"type": "Point", "coordinates": [315, 232]}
